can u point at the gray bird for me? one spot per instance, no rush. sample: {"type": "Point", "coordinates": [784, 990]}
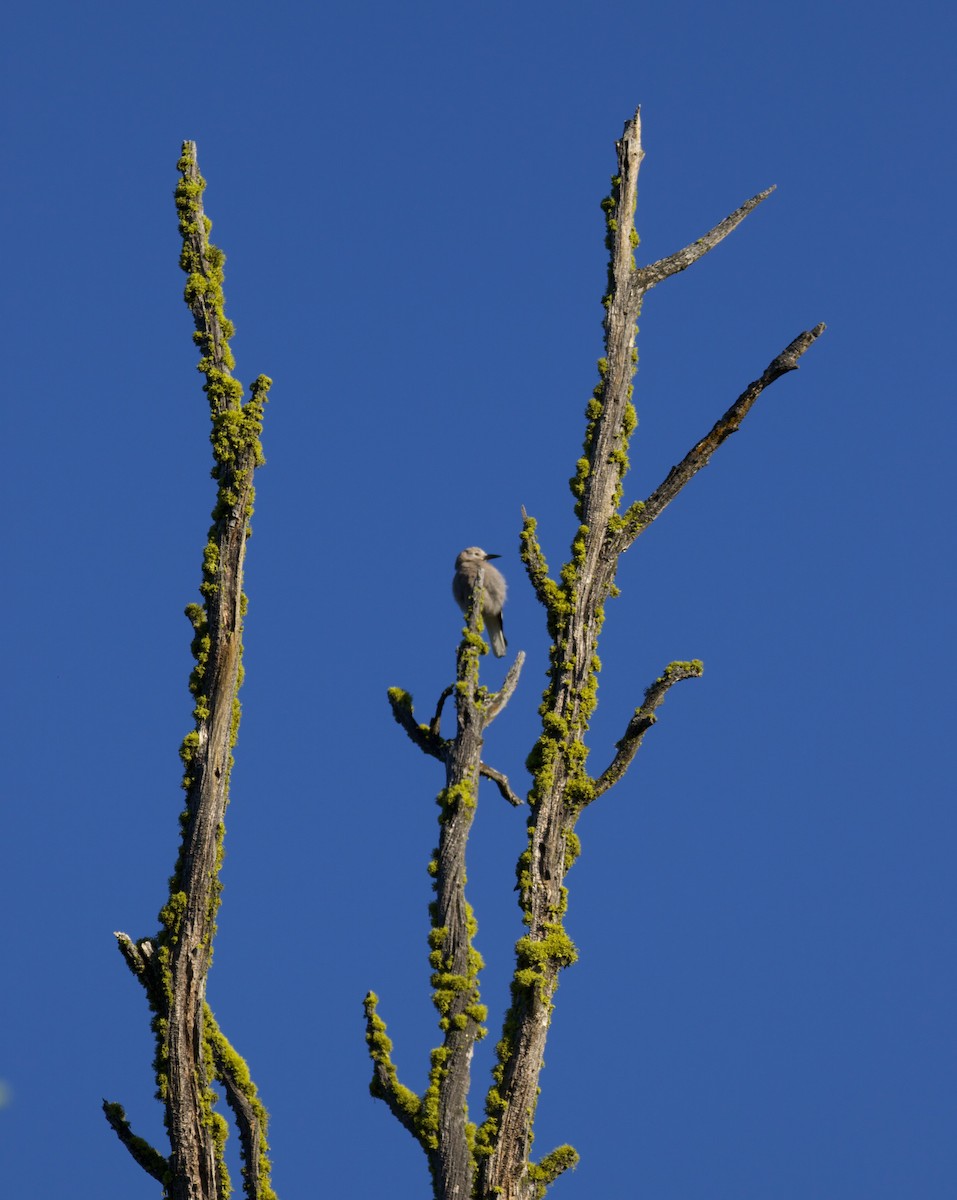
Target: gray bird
{"type": "Point", "coordinates": [467, 567]}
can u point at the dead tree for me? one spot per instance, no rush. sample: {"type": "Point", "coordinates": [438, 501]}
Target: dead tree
{"type": "Point", "coordinates": [491, 1159]}
{"type": "Point", "coordinates": [191, 1051]}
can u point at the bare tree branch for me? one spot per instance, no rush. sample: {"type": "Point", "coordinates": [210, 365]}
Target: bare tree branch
{"type": "Point", "coordinates": [647, 277]}
{"type": "Point", "coordinates": [499, 699]}
{"type": "Point", "coordinates": [501, 782]}
{"type": "Point", "coordinates": [700, 455]}
{"type": "Point", "coordinates": [435, 725]}
{"type": "Point", "coordinates": [642, 720]}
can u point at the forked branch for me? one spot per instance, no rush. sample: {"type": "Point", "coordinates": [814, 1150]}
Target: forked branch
{"type": "Point", "coordinates": [426, 737]}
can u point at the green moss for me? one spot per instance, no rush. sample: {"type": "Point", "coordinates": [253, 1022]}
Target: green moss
{"type": "Point", "coordinates": [545, 1172]}
{"type": "Point", "coordinates": [400, 699]}
{"type": "Point", "coordinates": [479, 1014]}
{"type": "Point", "coordinates": [189, 747]}
{"type": "Point", "coordinates": [210, 584]}
{"type": "Point", "coordinates": [573, 848]}
{"type": "Point", "coordinates": [146, 1155]}
{"type": "Point", "coordinates": [380, 1051]}
{"type": "Point", "coordinates": [528, 978]}
{"type": "Point", "coordinates": [556, 947]}
{"type": "Point", "coordinates": [580, 791]}
{"type": "Point", "coordinates": [220, 1131]}
{"type": "Point", "coordinates": [446, 987]}
{"type": "Point", "coordinates": [172, 913]}
{"type": "Point", "coordinates": [223, 1059]}
{"type": "Point", "coordinates": [610, 207]}
{"type": "Point", "coordinates": [456, 795]}
{"type": "Point", "coordinates": [554, 725]}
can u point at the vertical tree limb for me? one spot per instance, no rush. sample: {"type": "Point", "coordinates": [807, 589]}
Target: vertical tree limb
{"type": "Point", "coordinates": [174, 970]}
{"type": "Point", "coordinates": [562, 786]}
{"type": "Point", "coordinates": [439, 1119]}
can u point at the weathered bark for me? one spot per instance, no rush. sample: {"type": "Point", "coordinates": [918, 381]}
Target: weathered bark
{"type": "Point", "coordinates": [173, 968]}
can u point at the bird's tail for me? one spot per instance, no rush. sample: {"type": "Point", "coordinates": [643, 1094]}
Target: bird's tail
{"type": "Point", "coordinates": [496, 634]}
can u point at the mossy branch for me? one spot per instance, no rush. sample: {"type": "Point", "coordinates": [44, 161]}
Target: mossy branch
{"type": "Point", "coordinates": [173, 966]}
{"type": "Point", "coordinates": [402, 1102]}
{"type": "Point", "coordinates": [439, 1120]}
{"type": "Point", "coordinates": [188, 919]}
{"type": "Point", "coordinates": [426, 737]}
{"type": "Point", "coordinates": [561, 784]}
{"type": "Point", "coordinates": [547, 1170]}
{"type": "Point", "coordinates": [145, 1155]}
{"type": "Point", "coordinates": [251, 1118]}
{"type": "Point", "coordinates": [642, 720]}
{"type": "Point", "coordinates": [546, 589]}
{"type": "Point", "coordinates": [454, 962]}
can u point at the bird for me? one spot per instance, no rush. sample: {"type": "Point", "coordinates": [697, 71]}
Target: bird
{"type": "Point", "coordinates": [467, 566]}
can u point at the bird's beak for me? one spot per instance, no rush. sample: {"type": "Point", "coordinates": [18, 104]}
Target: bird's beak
{"type": "Point", "coordinates": [488, 556]}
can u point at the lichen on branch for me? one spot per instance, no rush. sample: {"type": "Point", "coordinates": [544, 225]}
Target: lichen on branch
{"type": "Point", "coordinates": [190, 1049]}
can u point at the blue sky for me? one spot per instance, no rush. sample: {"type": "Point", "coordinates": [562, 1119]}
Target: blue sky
{"type": "Point", "coordinates": [408, 197]}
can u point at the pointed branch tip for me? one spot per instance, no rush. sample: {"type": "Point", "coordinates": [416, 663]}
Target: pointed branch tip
{"type": "Point", "coordinates": [642, 720]}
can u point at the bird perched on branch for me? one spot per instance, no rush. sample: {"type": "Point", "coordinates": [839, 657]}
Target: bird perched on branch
{"type": "Point", "coordinates": [467, 566]}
